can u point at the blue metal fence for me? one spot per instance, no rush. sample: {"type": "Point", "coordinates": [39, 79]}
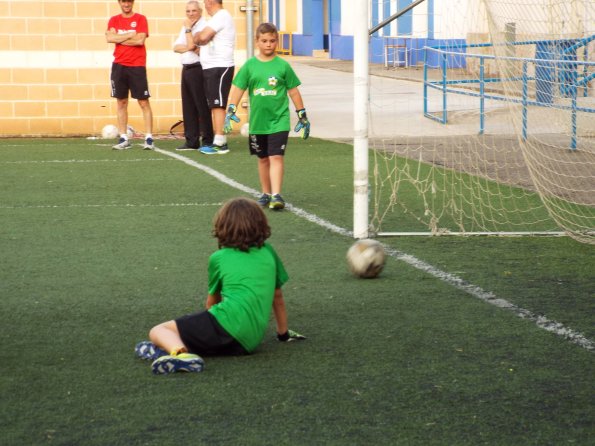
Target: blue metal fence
{"type": "Point", "coordinates": [555, 63]}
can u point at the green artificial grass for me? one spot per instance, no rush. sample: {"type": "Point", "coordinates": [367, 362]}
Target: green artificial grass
{"type": "Point", "coordinates": [98, 246]}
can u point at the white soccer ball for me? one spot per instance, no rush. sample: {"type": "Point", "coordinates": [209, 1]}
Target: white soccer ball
{"type": "Point", "coordinates": [366, 258]}
{"type": "Point", "coordinates": [245, 130]}
{"type": "Point", "coordinates": [110, 131]}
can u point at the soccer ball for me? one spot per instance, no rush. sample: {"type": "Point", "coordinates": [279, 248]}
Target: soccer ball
{"type": "Point", "coordinates": [366, 258]}
{"type": "Point", "coordinates": [110, 131]}
{"type": "Point", "coordinates": [245, 130]}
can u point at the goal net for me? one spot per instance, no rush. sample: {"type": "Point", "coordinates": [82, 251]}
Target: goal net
{"type": "Point", "coordinates": [482, 118]}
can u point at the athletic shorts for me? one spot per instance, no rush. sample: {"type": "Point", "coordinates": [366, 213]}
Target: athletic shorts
{"type": "Point", "coordinates": [217, 85]}
{"type": "Point", "coordinates": [129, 79]}
{"type": "Point", "coordinates": [264, 146]}
{"type": "Point", "coordinates": [202, 335]}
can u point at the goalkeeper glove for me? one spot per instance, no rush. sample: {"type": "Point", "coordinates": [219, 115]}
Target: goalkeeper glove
{"type": "Point", "coordinates": [303, 123]}
{"type": "Point", "coordinates": [230, 116]}
{"type": "Point", "coordinates": [290, 336]}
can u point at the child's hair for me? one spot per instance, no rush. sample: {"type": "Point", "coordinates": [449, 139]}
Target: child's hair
{"type": "Point", "coordinates": [241, 223]}
{"type": "Point", "coordinates": [266, 28]}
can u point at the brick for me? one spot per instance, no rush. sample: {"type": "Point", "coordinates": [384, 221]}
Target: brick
{"type": "Point", "coordinates": [59, 9]}
{"type": "Point", "coordinates": [25, 9]}
{"type": "Point", "coordinates": [6, 109]}
{"type": "Point", "coordinates": [13, 92]}
{"type": "Point", "coordinates": [93, 108]}
{"type": "Point", "coordinates": [4, 8]}
{"type": "Point", "coordinates": [15, 127]}
{"type": "Point", "coordinates": [62, 76]}
{"type": "Point", "coordinates": [30, 109]}
{"type": "Point", "coordinates": [28, 76]}
{"type": "Point", "coordinates": [14, 25]}
{"type": "Point", "coordinates": [59, 43]}
{"type": "Point", "coordinates": [77, 92]}
{"type": "Point", "coordinates": [5, 78]}
{"type": "Point", "coordinates": [77, 127]}
{"type": "Point", "coordinates": [90, 43]}
{"type": "Point", "coordinates": [43, 26]}
{"type": "Point", "coordinates": [63, 109]}
{"type": "Point", "coordinates": [4, 43]}
{"type": "Point", "coordinates": [44, 92]}
{"type": "Point", "coordinates": [92, 9]}
{"type": "Point", "coordinates": [76, 26]}
{"type": "Point", "coordinates": [94, 76]}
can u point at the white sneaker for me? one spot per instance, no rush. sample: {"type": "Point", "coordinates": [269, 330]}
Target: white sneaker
{"type": "Point", "coordinates": [123, 144]}
{"type": "Point", "coordinates": [149, 144]}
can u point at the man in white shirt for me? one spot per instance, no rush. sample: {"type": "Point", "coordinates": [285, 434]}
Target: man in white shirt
{"type": "Point", "coordinates": [195, 110]}
{"type": "Point", "coordinates": [217, 42]}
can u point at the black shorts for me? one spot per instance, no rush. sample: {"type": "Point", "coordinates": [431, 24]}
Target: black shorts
{"type": "Point", "coordinates": [217, 85]}
{"type": "Point", "coordinates": [264, 146]}
{"type": "Point", "coordinates": [129, 79]}
{"type": "Point", "coordinates": [202, 335]}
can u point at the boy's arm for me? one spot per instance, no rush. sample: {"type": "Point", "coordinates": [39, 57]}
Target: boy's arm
{"type": "Point", "coordinates": [284, 334]}
{"type": "Point", "coordinates": [280, 312]}
{"type": "Point", "coordinates": [296, 98]}
{"type": "Point", "coordinates": [235, 95]}
{"type": "Point", "coordinates": [213, 299]}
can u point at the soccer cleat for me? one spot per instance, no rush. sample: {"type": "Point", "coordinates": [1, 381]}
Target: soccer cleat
{"type": "Point", "coordinates": [214, 149]}
{"type": "Point", "coordinates": [149, 144]}
{"type": "Point", "coordinates": [184, 362]}
{"type": "Point", "coordinates": [148, 350]}
{"type": "Point", "coordinates": [123, 144]}
{"type": "Point", "coordinates": [264, 199]}
{"type": "Point", "coordinates": [277, 202]}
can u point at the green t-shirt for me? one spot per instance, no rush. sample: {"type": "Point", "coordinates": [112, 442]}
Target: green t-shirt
{"type": "Point", "coordinates": [267, 84]}
{"type": "Point", "coordinates": [247, 282]}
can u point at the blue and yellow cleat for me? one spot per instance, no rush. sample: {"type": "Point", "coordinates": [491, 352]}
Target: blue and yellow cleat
{"type": "Point", "coordinates": [184, 362]}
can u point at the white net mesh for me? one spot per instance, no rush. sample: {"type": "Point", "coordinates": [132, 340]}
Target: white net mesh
{"type": "Point", "coordinates": [484, 118]}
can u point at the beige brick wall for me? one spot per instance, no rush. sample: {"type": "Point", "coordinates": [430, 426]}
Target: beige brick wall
{"type": "Point", "coordinates": [55, 65]}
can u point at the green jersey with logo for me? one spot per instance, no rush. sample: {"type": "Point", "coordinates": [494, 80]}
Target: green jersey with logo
{"type": "Point", "coordinates": [247, 282]}
{"type": "Point", "coordinates": [267, 84]}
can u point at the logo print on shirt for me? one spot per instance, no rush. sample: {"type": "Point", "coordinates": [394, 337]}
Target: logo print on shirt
{"type": "Point", "coordinates": [273, 81]}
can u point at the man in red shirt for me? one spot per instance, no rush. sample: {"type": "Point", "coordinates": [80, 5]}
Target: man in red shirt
{"type": "Point", "coordinates": [128, 31]}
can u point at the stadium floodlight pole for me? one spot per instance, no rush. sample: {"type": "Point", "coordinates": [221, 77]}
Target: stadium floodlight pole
{"type": "Point", "coordinates": [360, 120]}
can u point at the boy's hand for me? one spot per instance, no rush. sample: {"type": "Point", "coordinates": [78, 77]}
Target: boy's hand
{"type": "Point", "coordinates": [303, 123]}
{"type": "Point", "coordinates": [290, 336]}
{"type": "Point", "coordinates": [230, 116]}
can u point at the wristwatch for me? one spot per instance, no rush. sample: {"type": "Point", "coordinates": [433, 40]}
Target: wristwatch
{"type": "Point", "coordinates": [188, 30]}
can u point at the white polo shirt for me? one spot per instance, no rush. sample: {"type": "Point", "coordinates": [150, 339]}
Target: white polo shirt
{"type": "Point", "coordinates": [189, 57]}
{"type": "Point", "coordinates": [219, 51]}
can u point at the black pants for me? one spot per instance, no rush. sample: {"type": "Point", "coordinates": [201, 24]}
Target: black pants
{"type": "Point", "coordinates": [195, 111]}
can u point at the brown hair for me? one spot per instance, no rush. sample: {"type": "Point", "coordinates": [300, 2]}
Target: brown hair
{"type": "Point", "coordinates": [266, 28]}
{"type": "Point", "coordinates": [241, 223]}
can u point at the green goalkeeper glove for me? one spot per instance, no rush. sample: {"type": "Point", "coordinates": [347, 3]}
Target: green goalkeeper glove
{"type": "Point", "coordinates": [303, 123]}
{"type": "Point", "coordinates": [230, 116]}
{"type": "Point", "coordinates": [290, 336]}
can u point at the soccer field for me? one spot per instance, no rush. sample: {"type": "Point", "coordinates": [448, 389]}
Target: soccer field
{"type": "Point", "coordinates": [460, 341]}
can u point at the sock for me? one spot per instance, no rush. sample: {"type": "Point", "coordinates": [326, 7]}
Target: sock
{"type": "Point", "coordinates": [125, 136]}
{"type": "Point", "coordinates": [220, 140]}
{"type": "Point", "coordinates": [177, 351]}
{"type": "Point", "coordinates": [148, 135]}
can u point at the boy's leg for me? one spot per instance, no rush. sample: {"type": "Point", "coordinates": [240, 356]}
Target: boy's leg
{"type": "Point", "coordinates": [264, 174]}
{"type": "Point", "coordinates": [167, 336]}
{"type": "Point", "coordinates": [276, 169]}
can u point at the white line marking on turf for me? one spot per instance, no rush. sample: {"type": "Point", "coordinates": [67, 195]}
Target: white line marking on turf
{"type": "Point", "coordinates": [85, 161]}
{"type": "Point", "coordinates": [111, 205]}
{"type": "Point", "coordinates": [541, 321]}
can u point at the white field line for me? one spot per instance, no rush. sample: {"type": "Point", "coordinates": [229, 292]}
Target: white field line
{"type": "Point", "coordinates": [111, 205]}
{"type": "Point", "coordinates": [84, 161]}
{"type": "Point", "coordinates": [541, 321]}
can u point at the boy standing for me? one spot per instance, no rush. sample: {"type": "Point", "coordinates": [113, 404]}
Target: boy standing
{"type": "Point", "coordinates": [128, 31]}
{"type": "Point", "coordinates": [269, 80]}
